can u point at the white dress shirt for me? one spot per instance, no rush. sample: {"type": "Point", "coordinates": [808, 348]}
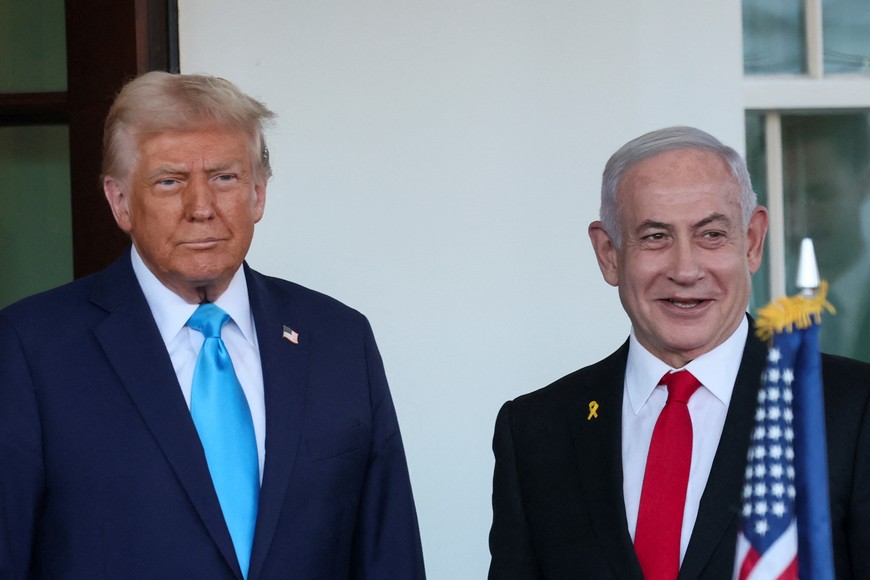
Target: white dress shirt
{"type": "Point", "coordinates": [183, 343]}
{"type": "Point", "coordinates": [644, 400]}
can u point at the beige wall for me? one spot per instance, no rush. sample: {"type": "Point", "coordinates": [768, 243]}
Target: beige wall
{"type": "Point", "coordinates": [436, 165]}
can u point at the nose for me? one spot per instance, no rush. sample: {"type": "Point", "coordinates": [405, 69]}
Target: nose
{"type": "Point", "coordinates": [685, 267]}
{"type": "Point", "coordinates": [199, 200]}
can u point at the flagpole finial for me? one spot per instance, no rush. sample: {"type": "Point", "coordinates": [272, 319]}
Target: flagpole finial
{"type": "Point", "coordinates": [808, 280]}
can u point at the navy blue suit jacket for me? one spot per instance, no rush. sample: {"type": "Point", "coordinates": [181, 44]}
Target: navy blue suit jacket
{"type": "Point", "coordinates": [102, 474]}
{"type": "Point", "coordinates": [558, 503]}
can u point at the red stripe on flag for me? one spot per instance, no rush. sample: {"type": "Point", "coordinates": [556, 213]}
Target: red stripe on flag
{"type": "Point", "coordinates": [790, 573]}
{"type": "Point", "coordinates": [752, 557]}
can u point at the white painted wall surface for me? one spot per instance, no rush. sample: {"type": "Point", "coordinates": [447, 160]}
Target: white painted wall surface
{"type": "Point", "coordinates": [437, 163]}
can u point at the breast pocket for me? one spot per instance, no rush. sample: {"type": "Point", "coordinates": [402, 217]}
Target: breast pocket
{"type": "Point", "coordinates": [340, 441]}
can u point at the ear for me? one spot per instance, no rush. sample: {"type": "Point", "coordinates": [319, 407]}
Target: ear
{"type": "Point", "coordinates": [259, 200]}
{"type": "Point", "coordinates": [755, 234]}
{"type": "Point", "coordinates": [605, 252]}
{"type": "Point", "coordinates": [119, 202]}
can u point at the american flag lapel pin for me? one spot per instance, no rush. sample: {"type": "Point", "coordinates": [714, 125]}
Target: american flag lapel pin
{"type": "Point", "coordinates": [290, 335]}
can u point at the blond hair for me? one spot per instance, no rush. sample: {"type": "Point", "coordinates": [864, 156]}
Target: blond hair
{"type": "Point", "coordinates": [158, 102]}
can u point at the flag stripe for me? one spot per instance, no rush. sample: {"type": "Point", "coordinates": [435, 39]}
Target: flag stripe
{"type": "Point", "coordinates": [790, 573]}
{"type": "Point", "coordinates": [749, 558]}
{"type": "Point", "coordinates": [777, 560]}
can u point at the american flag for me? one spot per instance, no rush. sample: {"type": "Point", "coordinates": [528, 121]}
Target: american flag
{"type": "Point", "coordinates": [767, 543]}
{"type": "Point", "coordinates": [291, 335]}
{"type": "Point", "coordinates": [786, 514]}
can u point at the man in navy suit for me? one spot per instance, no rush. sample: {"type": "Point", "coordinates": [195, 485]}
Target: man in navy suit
{"type": "Point", "coordinates": [680, 235]}
{"type": "Point", "coordinates": [103, 472]}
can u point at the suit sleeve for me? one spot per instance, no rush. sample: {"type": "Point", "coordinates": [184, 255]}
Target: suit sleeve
{"type": "Point", "coordinates": [387, 539]}
{"type": "Point", "coordinates": [859, 517]}
{"type": "Point", "coordinates": [510, 542]}
{"type": "Point", "coordinates": [21, 467]}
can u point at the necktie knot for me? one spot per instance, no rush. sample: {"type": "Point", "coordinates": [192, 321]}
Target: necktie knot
{"type": "Point", "coordinates": [681, 385]}
{"type": "Point", "coordinates": [209, 320]}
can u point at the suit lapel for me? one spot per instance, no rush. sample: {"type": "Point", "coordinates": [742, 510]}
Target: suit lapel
{"type": "Point", "coordinates": [598, 452]}
{"type": "Point", "coordinates": [720, 503]}
{"type": "Point", "coordinates": [134, 348]}
{"type": "Point", "coordinates": [285, 368]}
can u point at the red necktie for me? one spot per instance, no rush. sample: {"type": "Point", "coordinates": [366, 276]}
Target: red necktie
{"type": "Point", "coordinates": [663, 497]}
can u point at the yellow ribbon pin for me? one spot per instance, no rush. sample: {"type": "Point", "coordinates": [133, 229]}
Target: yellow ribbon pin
{"type": "Point", "coordinates": [593, 410]}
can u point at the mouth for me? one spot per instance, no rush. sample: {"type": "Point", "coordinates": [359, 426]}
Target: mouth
{"type": "Point", "coordinates": [202, 243]}
{"type": "Point", "coordinates": [686, 303]}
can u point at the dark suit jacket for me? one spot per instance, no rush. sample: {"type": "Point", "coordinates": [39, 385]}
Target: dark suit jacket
{"type": "Point", "coordinates": [558, 507]}
{"type": "Point", "coordinates": [102, 474]}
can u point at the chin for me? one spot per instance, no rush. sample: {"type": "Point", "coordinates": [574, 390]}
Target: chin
{"type": "Point", "coordinates": [694, 346]}
{"type": "Point", "coordinates": [207, 270]}
{"type": "Point", "coordinates": [199, 279]}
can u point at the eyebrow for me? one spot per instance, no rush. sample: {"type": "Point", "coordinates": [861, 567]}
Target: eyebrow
{"type": "Point", "coordinates": [183, 170]}
{"type": "Point", "coordinates": [712, 218]}
{"type": "Point", "coordinates": [652, 224]}
{"type": "Point", "coordinates": [223, 166]}
{"type": "Point", "coordinates": [164, 170]}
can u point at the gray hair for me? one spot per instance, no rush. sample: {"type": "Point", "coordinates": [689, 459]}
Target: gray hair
{"type": "Point", "coordinates": [660, 141]}
{"type": "Point", "coordinates": [158, 102]}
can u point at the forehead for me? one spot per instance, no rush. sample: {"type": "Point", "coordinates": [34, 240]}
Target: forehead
{"type": "Point", "coordinates": [682, 182]}
{"type": "Point", "coordinates": [209, 144]}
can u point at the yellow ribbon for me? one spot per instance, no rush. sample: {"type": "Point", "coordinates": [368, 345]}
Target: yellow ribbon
{"type": "Point", "coordinates": [593, 410]}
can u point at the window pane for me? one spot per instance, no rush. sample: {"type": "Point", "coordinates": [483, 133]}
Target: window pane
{"type": "Point", "coordinates": [773, 37]}
{"type": "Point", "coordinates": [826, 174]}
{"type": "Point", "coordinates": [756, 161]}
{"type": "Point", "coordinates": [847, 36]}
{"type": "Point", "coordinates": [32, 46]}
{"type": "Point", "coordinates": [35, 215]}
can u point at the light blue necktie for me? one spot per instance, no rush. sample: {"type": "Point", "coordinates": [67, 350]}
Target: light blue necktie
{"type": "Point", "coordinates": [223, 419]}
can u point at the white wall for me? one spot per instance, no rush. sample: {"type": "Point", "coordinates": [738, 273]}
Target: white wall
{"type": "Point", "coordinates": [436, 165]}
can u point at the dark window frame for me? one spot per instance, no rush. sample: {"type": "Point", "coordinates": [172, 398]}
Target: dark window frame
{"type": "Point", "coordinates": [108, 43]}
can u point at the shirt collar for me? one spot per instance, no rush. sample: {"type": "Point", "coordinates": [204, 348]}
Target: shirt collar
{"type": "Point", "coordinates": [716, 370]}
{"type": "Point", "coordinates": [171, 311]}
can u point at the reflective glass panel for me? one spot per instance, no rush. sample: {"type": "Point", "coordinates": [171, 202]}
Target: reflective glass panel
{"type": "Point", "coordinates": [773, 37]}
{"type": "Point", "coordinates": [846, 36]}
{"type": "Point", "coordinates": [826, 174]}
{"type": "Point", "coordinates": [35, 214]}
{"type": "Point", "coordinates": [32, 46]}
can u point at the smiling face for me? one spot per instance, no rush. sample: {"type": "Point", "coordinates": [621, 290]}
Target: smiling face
{"type": "Point", "coordinates": [683, 268]}
{"type": "Point", "coordinates": [190, 204]}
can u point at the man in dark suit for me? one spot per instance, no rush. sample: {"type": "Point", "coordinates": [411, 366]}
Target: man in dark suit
{"type": "Point", "coordinates": [114, 453]}
{"type": "Point", "coordinates": [583, 487]}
